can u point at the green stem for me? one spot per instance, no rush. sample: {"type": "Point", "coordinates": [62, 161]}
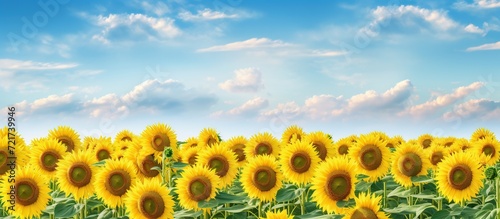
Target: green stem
{"type": "Point", "coordinates": [260, 209]}
{"type": "Point", "coordinates": [303, 202]}
{"type": "Point", "coordinates": [497, 192]}
{"type": "Point", "coordinates": [385, 195]}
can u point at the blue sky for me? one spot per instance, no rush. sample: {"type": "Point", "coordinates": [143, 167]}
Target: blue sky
{"type": "Point", "coordinates": [242, 67]}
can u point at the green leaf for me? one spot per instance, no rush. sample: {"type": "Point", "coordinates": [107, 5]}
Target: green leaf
{"type": "Point", "coordinates": [65, 210]}
{"type": "Point", "coordinates": [401, 192]}
{"type": "Point", "coordinates": [344, 204]}
{"type": "Point", "coordinates": [421, 179]}
{"type": "Point", "coordinates": [179, 165]}
{"type": "Point", "coordinates": [318, 214]}
{"type": "Point", "coordinates": [238, 208]}
{"type": "Point", "coordinates": [224, 198]}
{"type": "Point", "coordinates": [363, 186]}
{"type": "Point", "coordinates": [187, 214]}
{"type": "Point", "coordinates": [106, 214]}
{"type": "Point", "coordinates": [288, 194]}
{"type": "Point", "coordinates": [100, 163]}
{"type": "Point", "coordinates": [157, 168]}
{"type": "Point", "coordinates": [212, 203]}
{"type": "Point", "coordinates": [441, 214]}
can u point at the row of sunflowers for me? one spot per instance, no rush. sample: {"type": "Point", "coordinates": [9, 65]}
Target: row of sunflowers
{"type": "Point", "coordinates": [300, 175]}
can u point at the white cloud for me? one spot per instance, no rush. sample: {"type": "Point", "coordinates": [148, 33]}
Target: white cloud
{"type": "Point", "coordinates": [13, 64]}
{"type": "Point", "coordinates": [322, 106]}
{"type": "Point", "coordinates": [117, 26]}
{"type": "Point", "coordinates": [247, 80]}
{"type": "Point", "coordinates": [477, 4]}
{"type": "Point", "coordinates": [471, 28]}
{"type": "Point", "coordinates": [206, 14]}
{"type": "Point", "coordinates": [158, 8]}
{"type": "Point", "coordinates": [51, 101]}
{"type": "Point", "coordinates": [488, 46]}
{"type": "Point", "coordinates": [474, 109]}
{"type": "Point", "coordinates": [283, 111]}
{"type": "Point", "coordinates": [247, 44]}
{"type": "Point", "coordinates": [109, 105]}
{"type": "Point", "coordinates": [443, 101]}
{"type": "Point", "coordinates": [250, 108]}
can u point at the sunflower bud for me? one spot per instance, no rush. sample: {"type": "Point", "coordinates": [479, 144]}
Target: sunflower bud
{"type": "Point", "coordinates": [490, 173]}
{"type": "Point", "coordinates": [168, 152]}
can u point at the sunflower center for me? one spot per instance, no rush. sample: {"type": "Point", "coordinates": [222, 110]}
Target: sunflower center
{"type": "Point", "coordinates": [220, 164]}
{"type": "Point", "coordinates": [263, 148]}
{"type": "Point", "coordinates": [300, 162]}
{"type": "Point", "coordinates": [200, 188]}
{"type": "Point", "coordinates": [410, 164]}
{"type": "Point", "coordinates": [321, 149]}
{"type": "Point", "coordinates": [370, 157]}
{"type": "Point", "coordinates": [151, 205]}
{"type": "Point", "coordinates": [126, 138]}
{"type": "Point", "coordinates": [343, 149]}
{"type": "Point", "coordinates": [160, 141]}
{"type": "Point", "coordinates": [118, 182]}
{"type": "Point", "coordinates": [147, 163]}
{"type": "Point", "coordinates": [49, 160]}
{"type": "Point", "coordinates": [426, 143]}
{"type": "Point", "coordinates": [68, 142]}
{"type": "Point", "coordinates": [3, 161]}
{"type": "Point", "coordinates": [338, 185]}
{"type": "Point", "coordinates": [192, 159]}
{"type": "Point", "coordinates": [460, 177]}
{"type": "Point", "coordinates": [436, 157]}
{"type": "Point", "coordinates": [489, 150]}
{"type": "Point", "coordinates": [238, 149]}
{"type": "Point", "coordinates": [211, 141]}
{"type": "Point", "coordinates": [79, 174]}
{"type": "Point", "coordinates": [390, 145]}
{"type": "Point", "coordinates": [103, 154]}
{"type": "Point", "coordinates": [264, 178]}
{"type": "Point", "coordinates": [27, 192]}
{"type": "Point", "coordinates": [364, 213]}
{"type": "Point", "coordinates": [448, 144]}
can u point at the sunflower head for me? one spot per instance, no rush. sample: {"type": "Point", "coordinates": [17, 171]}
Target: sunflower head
{"type": "Point", "coordinates": [459, 177]}
{"type": "Point", "coordinates": [436, 153]}
{"type": "Point", "coordinates": [145, 162]}
{"type": "Point", "coordinates": [113, 181]}
{"type": "Point", "coordinates": [488, 147]}
{"type": "Point", "coordinates": [124, 135]}
{"type": "Point", "coordinates": [322, 144]}
{"type": "Point", "coordinates": [262, 144]}
{"type": "Point", "coordinates": [425, 140]}
{"type": "Point", "coordinates": [76, 174]}
{"type": "Point", "coordinates": [191, 142]}
{"type": "Point", "coordinates": [208, 137]}
{"type": "Point", "coordinates": [277, 215]}
{"type": "Point", "coordinates": [20, 151]}
{"type": "Point", "coordinates": [237, 145]}
{"type": "Point", "coordinates": [407, 161]}
{"type": "Point", "coordinates": [157, 137]}
{"type": "Point", "coordinates": [261, 178]}
{"type": "Point", "coordinates": [372, 156]}
{"type": "Point", "coordinates": [482, 133]}
{"type": "Point", "coordinates": [189, 155]}
{"type": "Point", "coordinates": [149, 199]}
{"type": "Point", "coordinates": [222, 160]}
{"type": "Point", "coordinates": [197, 183]}
{"type": "Point", "coordinates": [397, 140]}
{"type": "Point", "coordinates": [298, 162]}
{"type": "Point", "coordinates": [367, 207]}
{"type": "Point", "coordinates": [342, 146]}
{"type": "Point", "coordinates": [67, 136]}
{"type": "Point", "coordinates": [103, 148]}
{"type": "Point", "coordinates": [45, 155]}
{"type": "Point", "coordinates": [381, 135]}
{"type": "Point", "coordinates": [292, 133]}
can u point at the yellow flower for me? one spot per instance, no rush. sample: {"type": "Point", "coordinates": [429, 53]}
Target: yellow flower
{"type": "Point", "coordinates": [488, 147]}
{"type": "Point", "coordinates": [191, 142]}
{"type": "Point", "coordinates": [222, 160]}
{"type": "Point", "coordinates": [19, 154]}
{"type": "Point", "coordinates": [262, 144]}
{"type": "Point", "coordinates": [459, 177]}
{"type": "Point", "coordinates": [76, 174]}
{"type": "Point", "coordinates": [342, 146]}
{"type": "Point", "coordinates": [155, 138]}
{"type": "Point", "coordinates": [149, 199]}
{"type": "Point", "coordinates": [372, 157]}
{"type": "Point", "coordinates": [46, 154]}
{"type": "Point", "coordinates": [208, 137]}
{"type": "Point", "coordinates": [277, 215]}
{"type": "Point", "coordinates": [197, 183]}
{"type": "Point", "coordinates": [237, 144]}
{"type": "Point", "coordinates": [124, 135]}
{"type": "Point", "coordinates": [425, 140]}
{"type": "Point", "coordinates": [482, 133]}
{"type": "Point", "coordinates": [68, 136]}
{"type": "Point", "coordinates": [31, 193]}
{"type": "Point", "coordinates": [407, 161]}
{"type": "Point", "coordinates": [261, 178]}
{"type": "Point", "coordinates": [189, 155]}
{"type": "Point", "coordinates": [298, 162]}
{"type": "Point", "coordinates": [103, 149]}
{"type": "Point", "coordinates": [145, 161]}
{"type": "Point", "coordinates": [367, 206]}
{"type": "Point", "coordinates": [290, 133]}
{"type": "Point", "coordinates": [113, 181]}
{"type": "Point", "coordinates": [436, 153]}
{"type": "Point", "coordinates": [321, 143]}
{"type": "Point", "coordinates": [334, 181]}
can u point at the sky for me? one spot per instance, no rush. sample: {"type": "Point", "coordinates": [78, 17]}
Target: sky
{"type": "Point", "coordinates": [243, 67]}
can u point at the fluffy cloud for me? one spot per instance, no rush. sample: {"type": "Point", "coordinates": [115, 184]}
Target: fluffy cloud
{"type": "Point", "coordinates": [206, 14]}
{"type": "Point", "coordinates": [247, 44]}
{"type": "Point", "coordinates": [478, 4]}
{"type": "Point", "coordinates": [247, 80]}
{"type": "Point", "coordinates": [248, 109]}
{"type": "Point", "coordinates": [471, 28]}
{"type": "Point", "coordinates": [13, 64]}
{"type": "Point", "coordinates": [488, 46]}
{"type": "Point", "coordinates": [474, 109]}
{"type": "Point", "coordinates": [284, 111]}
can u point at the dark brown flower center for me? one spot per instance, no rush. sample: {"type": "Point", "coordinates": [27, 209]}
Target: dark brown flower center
{"type": "Point", "coordinates": [338, 186]}
{"type": "Point", "coordinates": [264, 178]}
{"type": "Point", "coordinates": [321, 149]}
{"type": "Point", "coordinates": [27, 192]}
{"type": "Point", "coordinates": [370, 157]}
{"type": "Point", "coordinates": [126, 138]}
{"type": "Point", "coordinates": [448, 144]}
{"type": "Point", "coordinates": [300, 162]}
{"type": "Point", "coordinates": [192, 159]}
{"type": "Point", "coordinates": [146, 164]}
{"type": "Point", "coordinates": [79, 174]}
{"type": "Point", "coordinates": [160, 141]}
{"type": "Point", "coordinates": [151, 205]}
{"type": "Point", "coordinates": [436, 157]}
{"type": "Point", "coordinates": [460, 177]}
{"type": "Point", "coordinates": [49, 160]}
{"type": "Point", "coordinates": [68, 142]}
{"type": "Point", "coordinates": [390, 145]}
{"type": "Point", "coordinates": [220, 164]}
{"type": "Point", "coordinates": [263, 148]}
{"type": "Point", "coordinates": [426, 143]}
{"type": "Point", "coordinates": [102, 154]}
{"type": "Point", "coordinates": [3, 160]}
{"type": "Point", "coordinates": [364, 213]}
{"type": "Point", "coordinates": [343, 149]}
{"type": "Point", "coordinates": [489, 150]}
{"type": "Point", "coordinates": [410, 164]}
{"type": "Point", "coordinates": [118, 182]}
{"type": "Point", "coordinates": [200, 188]}
{"type": "Point", "coordinates": [211, 141]}
{"type": "Point", "coordinates": [239, 150]}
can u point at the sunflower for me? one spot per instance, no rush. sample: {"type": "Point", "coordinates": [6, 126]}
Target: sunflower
{"type": "Point", "coordinates": [149, 199]}
{"type": "Point", "coordinates": [261, 178]}
{"type": "Point", "coordinates": [197, 183]}
{"type": "Point", "coordinates": [291, 133]}
{"type": "Point", "coordinates": [436, 153]}
{"type": "Point", "coordinates": [382, 136]}
{"type": "Point", "coordinates": [425, 140]}
{"type": "Point", "coordinates": [124, 135]}
{"type": "Point", "coordinates": [120, 147]}
{"type": "Point", "coordinates": [222, 160]}
{"type": "Point", "coordinates": [103, 149]}
{"type": "Point", "coordinates": [208, 137]}
{"type": "Point", "coordinates": [131, 154]}
{"type": "Point", "coordinates": [367, 206]}
{"type": "Point", "coordinates": [482, 133]}
{"type": "Point", "coordinates": [155, 138]}
{"type": "Point", "coordinates": [342, 146]}
{"type": "Point", "coordinates": [397, 140]}
{"type": "Point", "coordinates": [88, 142]}
{"type": "Point", "coordinates": [277, 215]}
{"type": "Point", "coordinates": [447, 141]}
{"type": "Point", "coordinates": [262, 144]}
{"type": "Point", "coordinates": [45, 155]}
{"type": "Point", "coordinates": [334, 180]}
{"type": "Point", "coordinates": [76, 174]}
{"type": "Point", "coordinates": [298, 161]}
{"type": "Point", "coordinates": [353, 138]}
{"type": "Point", "coordinates": [237, 145]}
{"type": "Point", "coordinates": [31, 193]}
{"type": "Point", "coordinates": [68, 136]}
{"type": "Point", "coordinates": [145, 161]}
{"type": "Point", "coordinates": [407, 161]}
{"type": "Point", "coordinates": [19, 155]}
{"type": "Point", "coordinates": [191, 142]}
{"type": "Point", "coordinates": [321, 143]}
{"type": "Point", "coordinates": [372, 157]}
{"type": "Point", "coordinates": [190, 155]}
{"type": "Point", "coordinates": [460, 144]}
{"type": "Point", "coordinates": [489, 147]}
{"type": "Point", "coordinates": [459, 177]}
{"type": "Point", "coordinates": [113, 181]}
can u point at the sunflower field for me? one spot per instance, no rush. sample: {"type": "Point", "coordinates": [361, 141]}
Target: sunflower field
{"type": "Point", "coordinates": [296, 175]}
